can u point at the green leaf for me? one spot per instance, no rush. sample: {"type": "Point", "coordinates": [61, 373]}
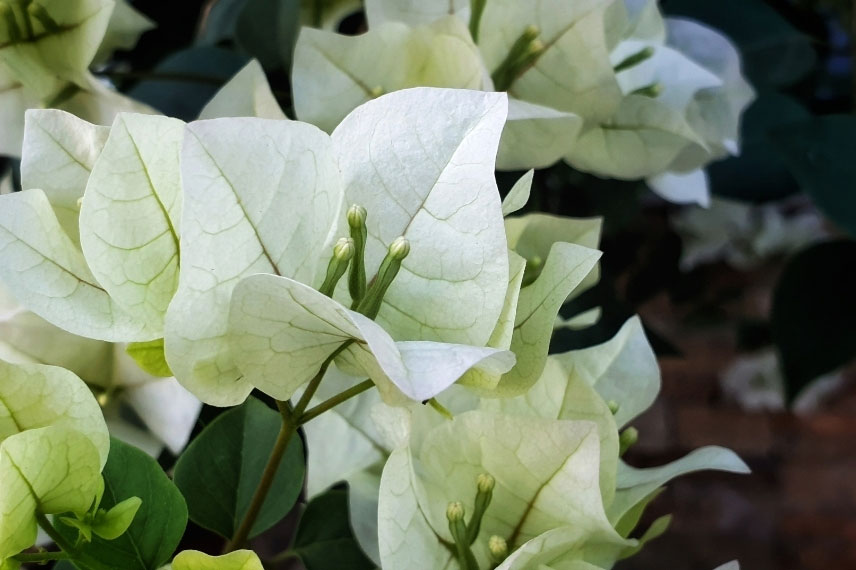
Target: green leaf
{"type": "Point", "coordinates": [812, 314]}
{"type": "Point", "coordinates": [760, 173]}
{"type": "Point", "coordinates": [220, 470]}
{"type": "Point", "coordinates": [819, 153]}
{"type": "Point", "coordinates": [260, 196]}
{"type": "Point", "coordinates": [158, 525]}
{"type": "Point", "coordinates": [149, 356]}
{"type": "Point", "coordinates": [237, 560]}
{"type": "Point", "coordinates": [185, 99]}
{"type": "Point", "coordinates": [267, 30]}
{"type": "Point", "coordinates": [111, 524]}
{"type": "Point", "coordinates": [324, 538]}
{"type": "Point", "coordinates": [774, 52]}
{"type": "Point", "coordinates": [49, 470]}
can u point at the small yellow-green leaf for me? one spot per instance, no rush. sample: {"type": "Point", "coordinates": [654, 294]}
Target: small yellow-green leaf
{"type": "Point", "coordinates": [238, 560]}
{"type": "Point", "coordinates": [149, 356]}
{"type": "Point", "coordinates": [112, 524]}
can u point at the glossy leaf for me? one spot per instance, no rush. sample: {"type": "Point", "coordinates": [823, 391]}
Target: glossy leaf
{"type": "Point", "coordinates": [220, 470]}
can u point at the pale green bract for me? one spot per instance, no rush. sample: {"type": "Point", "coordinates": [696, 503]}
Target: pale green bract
{"type": "Point", "coordinates": [116, 283]}
{"type": "Point", "coordinates": [167, 410]}
{"type": "Point", "coordinates": [355, 440]}
{"type": "Point", "coordinates": [611, 87]}
{"type": "Point", "coordinates": [50, 69]}
{"type": "Point", "coordinates": [546, 478]}
{"type": "Point", "coordinates": [237, 560]}
{"type": "Point", "coordinates": [244, 179]}
{"type": "Point", "coordinates": [53, 445]}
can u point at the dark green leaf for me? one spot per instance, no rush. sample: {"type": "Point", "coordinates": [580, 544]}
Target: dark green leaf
{"type": "Point", "coordinates": [220, 470]}
{"type": "Point", "coordinates": [774, 52]}
{"type": "Point", "coordinates": [267, 30]}
{"type": "Point", "coordinates": [158, 525]}
{"type": "Point", "coordinates": [814, 312]}
{"type": "Point", "coordinates": [64, 565]}
{"type": "Point", "coordinates": [821, 154]}
{"type": "Point", "coordinates": [206, 69]}
{"type": "Point", "coordinates": [759, 174]}
{"type": "Point", "coordinates": [324, 538]}
{"type": "Point", "coordinates": [219, 24]}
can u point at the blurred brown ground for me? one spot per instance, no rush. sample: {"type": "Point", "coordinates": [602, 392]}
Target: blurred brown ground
{"type": "Point", "coordinates": [797, 510]}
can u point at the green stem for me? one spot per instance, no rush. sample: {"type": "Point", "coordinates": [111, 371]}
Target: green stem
{"type": "Point", "coordinates": [52, 532]}
{"type": "Point", "coordinates": [290, 424]}
{"type": "Point", "coordinates": [65, 546]}
{"type": "Point", "coordinates": [283, 556]}
{"type": "Point", "coordinates": [476, 10]}
{"type": "Point", "coordinates": [335, 401]}
{"type": "Point", "coordinates": [37, 557]}
{"type": "Point", "coordinates": [286, 432]}
{"type": "Point", "coordinates": [303, 403]}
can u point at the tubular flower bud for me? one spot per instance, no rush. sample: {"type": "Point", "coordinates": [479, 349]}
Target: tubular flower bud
{"type": "Point", "coordinates": [398, 250]}
{"type": "Point", "coordinates": [635, 59]}
{"type": "Point", "coordinates": [626, 440]}
{"type": "Point", "coordinates": [357, 275]}
{"type": "Point", "coordinates": [343, 252]}
{"type": "Point", "coordinates": [498, 549]}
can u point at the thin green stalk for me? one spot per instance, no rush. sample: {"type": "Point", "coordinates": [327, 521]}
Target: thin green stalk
{"type": "Point", "coordinates": [65, 546]}
{"type": "Point", "coordinates": [476, 11]}
{"type": "Point", "coordinates": [312, 387]}
{"type": "Point", "coordinates": [335, 401]}
{"type": "Point", "coordinates": [286, 432]}
{"type": "Point", "coordinates": [37, 557]}
{"type": "Point", "coordinates": [289, 427]}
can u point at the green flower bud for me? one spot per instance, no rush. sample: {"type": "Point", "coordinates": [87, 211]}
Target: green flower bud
{"type": "Point", "coordinates": [38, 12]}
{"type": "Point", "coordinates": [11, 22]}
{"type": "Point", "coordinates": [485, 483]}
{"type": "Point", "coordinates": [398, 250]}
{"type": "Point", "coordinates": [627, 438]}
{"type": "Point", "coordinates": [357, 275]}
{"type": "Point", "coordinates": [634, 59]}
{"type": "Point", "coordinates": [524, 52]}
{"type": "Point", "coordinates": [652, 90]}
{"type": "Point", "coordinates": [613, 406]}
{"type": "Point", "coordinates": [498, 549]}
{"type": "Point", "coordinates": [343, 252]}
{"type": "Point", "coordinates": [455, 512]}
{"type": "Point", "coordinates": [458, 529]}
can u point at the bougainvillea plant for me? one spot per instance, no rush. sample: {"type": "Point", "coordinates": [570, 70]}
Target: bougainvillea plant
{"type": "Point", "coordinates": [364, 302]}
